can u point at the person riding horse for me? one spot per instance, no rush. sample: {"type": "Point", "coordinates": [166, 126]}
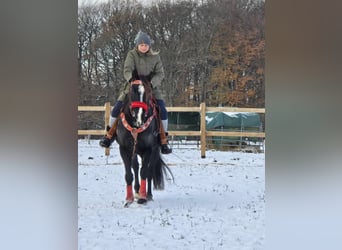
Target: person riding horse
{"type": "Point", "coordinates": [137, 135]}
{"type": "Point", "coordinates": [148, 63]}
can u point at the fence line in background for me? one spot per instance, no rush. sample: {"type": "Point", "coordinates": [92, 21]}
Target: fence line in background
{"type": "Point", "coordinates": [203, 133]}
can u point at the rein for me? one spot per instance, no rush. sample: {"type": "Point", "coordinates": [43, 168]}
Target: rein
{"type": "Point", "coordinates": [140, 129]}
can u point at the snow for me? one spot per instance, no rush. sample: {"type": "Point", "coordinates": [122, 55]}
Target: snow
{"type": "Point", "coordinates": [214, 203]}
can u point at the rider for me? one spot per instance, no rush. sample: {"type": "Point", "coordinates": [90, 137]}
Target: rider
{"type": "Point", "coordinates": [147, 62]}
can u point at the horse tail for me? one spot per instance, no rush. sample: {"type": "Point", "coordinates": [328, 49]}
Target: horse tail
{"type": "Point", "coordinates": [159, 170]}
{"type": "Point", "coordinates": [157, 165]}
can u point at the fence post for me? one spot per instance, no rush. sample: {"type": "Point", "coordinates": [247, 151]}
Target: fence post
{"type": "Point", "coordinates": [107, 114]}
{"type": "Point", "coordinates": [203, 129]}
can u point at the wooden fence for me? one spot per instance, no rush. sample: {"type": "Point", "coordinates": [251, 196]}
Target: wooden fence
{"type": "Point", "coordinates": [203, 133]}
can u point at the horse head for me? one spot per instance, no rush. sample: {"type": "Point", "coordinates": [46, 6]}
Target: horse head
{"type": "Point", "coordinates": [141, 106]}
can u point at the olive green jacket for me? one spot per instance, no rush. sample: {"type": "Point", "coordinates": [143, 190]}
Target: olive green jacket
{"type": "Point", "coordinates": [145, 64]}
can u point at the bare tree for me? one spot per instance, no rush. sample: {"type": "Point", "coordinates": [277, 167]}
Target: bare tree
{"type": "Point", "coordinates": [170, 26]}
{"type": "Point", "coordinates": [209, 49]}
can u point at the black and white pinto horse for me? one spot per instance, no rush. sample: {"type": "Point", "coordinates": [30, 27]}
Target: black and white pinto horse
{"type": "Point", "coordinates": [138, 135]}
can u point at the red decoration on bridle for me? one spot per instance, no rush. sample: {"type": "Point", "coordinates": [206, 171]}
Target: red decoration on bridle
{"type": "Point", "coordinates": [139, 105]}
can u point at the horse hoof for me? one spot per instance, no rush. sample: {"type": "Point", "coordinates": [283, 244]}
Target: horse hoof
{"type": "Point", "coordinates": [150, 197]}
{"type": "Point", "coordinates": [128, 203]}
{"type": "Point", "coordinates": [142, 201]}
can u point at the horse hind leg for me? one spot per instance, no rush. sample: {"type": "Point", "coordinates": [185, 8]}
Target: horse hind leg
{"type": "Point", "coordinates": [149, 189]}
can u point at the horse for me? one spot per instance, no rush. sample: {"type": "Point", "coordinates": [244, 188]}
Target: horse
{"type": "Point", "coordinates": [138, 135]}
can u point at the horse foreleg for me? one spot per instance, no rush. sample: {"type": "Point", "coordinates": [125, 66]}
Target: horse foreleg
{"type": "Point", "coordinates": [142, 192]}
{"type": "Point", "coordinates": [128, 176]}
{"type": "Point", "coordinates": [135, 165]}
{"type": "Point", "coordinates": [129, 189]}
{"type": "Point", "coordinates": [143, 196]}
{"type": "Point", "coordinates": [129, 195]}
{"type": "Point", "coordinates": [145, 174]}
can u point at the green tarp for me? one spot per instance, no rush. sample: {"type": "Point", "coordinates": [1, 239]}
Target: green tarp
{"type": "Point", "coordinates": [222, 121]}
{"type": "Point", "coordinates": [214, 120]}
{"type": "Point", "coordinates": [227, 120]}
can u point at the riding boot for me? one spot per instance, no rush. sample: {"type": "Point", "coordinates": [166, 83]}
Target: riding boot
{"type": "Point", "coordinates": [163, 141]}
{"type": "Point", "coordinates": [110, 137]}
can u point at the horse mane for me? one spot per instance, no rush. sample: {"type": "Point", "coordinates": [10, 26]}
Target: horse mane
{"type": "Point", "coordinates": [146, 80]}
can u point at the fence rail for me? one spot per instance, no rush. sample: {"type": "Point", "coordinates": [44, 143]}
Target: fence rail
{"type": "Point", "coordinates": [203, 133]}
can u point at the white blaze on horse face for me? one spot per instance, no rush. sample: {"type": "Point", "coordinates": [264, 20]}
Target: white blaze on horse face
{"type": "Point", "coordinates": [139, 120]}
{"type": "Point", "coordinates": [141, 90]}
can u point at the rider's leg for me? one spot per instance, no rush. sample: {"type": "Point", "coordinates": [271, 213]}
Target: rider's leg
{"type": "Point", "coordinates": [113, 122]}
{"type": "Point", "coordinates": [109, 138]}
{"type": "Point", "coordinates": [163, 128]}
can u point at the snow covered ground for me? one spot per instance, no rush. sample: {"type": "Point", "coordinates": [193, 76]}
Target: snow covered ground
{"type": "Point", "coordinates": [215, 203]}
